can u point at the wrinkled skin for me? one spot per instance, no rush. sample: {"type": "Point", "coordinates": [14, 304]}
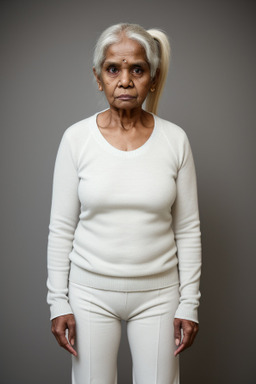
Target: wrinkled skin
{"type": "Point", "coordinates": [189, 329]}
{"type": "Point", "coordinates": [59, 326]}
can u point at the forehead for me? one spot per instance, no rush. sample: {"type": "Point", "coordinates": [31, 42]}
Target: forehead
{"type": "Point", "coordinates": [126, 48]}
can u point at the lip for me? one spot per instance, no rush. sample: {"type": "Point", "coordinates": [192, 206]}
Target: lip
{"type": "Point", "coordinates": [125, 97]}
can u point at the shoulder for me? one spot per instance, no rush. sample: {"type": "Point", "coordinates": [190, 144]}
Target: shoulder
{"type": "Point", "coordinates": [174, 134]}
{"type": "Point", "coordinates": [76, 137]}
{"type": "Point", "coordinates": [177, 140]}
{"type": "Point", "coordinates": [79, 131]}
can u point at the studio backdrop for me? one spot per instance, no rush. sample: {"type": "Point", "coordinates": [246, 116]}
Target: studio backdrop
{"type": "Point", "coordinates": [47, 84]}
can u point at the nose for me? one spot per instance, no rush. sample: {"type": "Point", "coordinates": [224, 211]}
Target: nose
{"type": "Point", "coordinates": [125, 80]}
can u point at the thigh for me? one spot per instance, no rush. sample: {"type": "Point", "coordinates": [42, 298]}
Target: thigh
{"type": "Point", "coordinates": [98, 337]}
{"type": "Point", "coordinates": [151, 339]}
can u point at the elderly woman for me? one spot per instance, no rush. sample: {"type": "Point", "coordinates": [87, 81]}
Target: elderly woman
{"type": "Point", "coordinates": [124, 241]}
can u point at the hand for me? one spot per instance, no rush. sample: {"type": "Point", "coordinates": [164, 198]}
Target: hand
{"type": "Point", "coordinates": [59, 326]}
{"type": "Point", "coordinates": [189, 328]}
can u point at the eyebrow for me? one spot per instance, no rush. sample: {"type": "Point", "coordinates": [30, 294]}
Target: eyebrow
{"type": "Point", "coordinates": [108, 63]}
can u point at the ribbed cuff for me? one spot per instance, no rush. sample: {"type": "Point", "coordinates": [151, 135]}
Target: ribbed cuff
{"type": "Point", "coordinates": [60, 309]}
{"type": "Point", "coordinates": [183, 312]}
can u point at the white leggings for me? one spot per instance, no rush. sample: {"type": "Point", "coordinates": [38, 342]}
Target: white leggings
{"type": "Point", "coordinates": [149, 315]}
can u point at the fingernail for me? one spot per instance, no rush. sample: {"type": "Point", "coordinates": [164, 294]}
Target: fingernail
{"type": "Point", "coordinates": [177, 342]}
{"type": "Point", "coordinates": [72, 342]}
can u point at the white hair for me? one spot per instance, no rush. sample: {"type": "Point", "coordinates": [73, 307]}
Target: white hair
{"type": "Point", "coordinates": [156, 46]}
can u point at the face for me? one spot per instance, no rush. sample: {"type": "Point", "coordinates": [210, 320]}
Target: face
{"type": "Point", "coordinates": [125, 76]}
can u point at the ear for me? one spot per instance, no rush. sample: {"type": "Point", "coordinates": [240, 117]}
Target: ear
{"type": "Point", "coordinates": [97, 79]}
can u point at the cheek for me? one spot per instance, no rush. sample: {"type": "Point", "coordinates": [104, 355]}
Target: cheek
{"type": "Point", "coordinates": [109, 85]}
{"type": "Point", "coordinates": [146, 84]}
{"type": "Point", "coordinates": [144, 89]}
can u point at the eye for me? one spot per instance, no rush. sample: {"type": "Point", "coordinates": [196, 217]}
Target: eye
{"type": "Point", "coordinates": [137, 70]}
{"type": "Point", "coordinates": [112, 70]}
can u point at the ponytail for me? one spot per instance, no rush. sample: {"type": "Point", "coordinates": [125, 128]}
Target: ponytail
{"type": "Point", "coordinates": [164, 60]}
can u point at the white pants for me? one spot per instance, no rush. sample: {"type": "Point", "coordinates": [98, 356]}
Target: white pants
{"type": "Point", "coordinates": [149, 317]}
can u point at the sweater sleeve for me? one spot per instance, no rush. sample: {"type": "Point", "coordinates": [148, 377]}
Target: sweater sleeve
{"type": "Point", "coordinates": [63, 221]}
{"type": "Point", "coordinates": [186, 226]}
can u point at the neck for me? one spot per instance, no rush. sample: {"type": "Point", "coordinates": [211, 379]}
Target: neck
{"type": "Point", "coordinates": [126, 119]}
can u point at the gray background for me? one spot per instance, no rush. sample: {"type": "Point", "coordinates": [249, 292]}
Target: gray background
{"type": "Point", "coordinates": [47, 85]}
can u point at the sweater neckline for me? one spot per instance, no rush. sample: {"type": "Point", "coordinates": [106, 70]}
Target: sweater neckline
{"type": "Point", "coordinates": [119, 152]}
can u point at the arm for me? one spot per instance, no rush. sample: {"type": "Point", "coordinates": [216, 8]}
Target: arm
{"type": "Point", "coordinates": [63, 221]}
{"type": "Point", "coordinates": [186, 226]}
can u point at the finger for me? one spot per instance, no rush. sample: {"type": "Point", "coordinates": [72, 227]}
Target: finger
{"type": "Point", "coordinates": [185, 343]}
{"type": "Point", "coordinates": [194, 333]}
{"type": "Point", "coordinates": [179, 349]}
{"type": "Point", "coordinates": [70, 349]}
{"type": "Point", "coordinates": [63, 342]}
{"type": "Point", "coordinates": [177, 331]}
{"type": "Point", "coordinates": [58, 329]}
{"type": "Point", "coordinates": [190, 329]}
{"type": "Point", "coordinates": [189, 333]}
{"type": "Point", "coordinates": [72, 331]}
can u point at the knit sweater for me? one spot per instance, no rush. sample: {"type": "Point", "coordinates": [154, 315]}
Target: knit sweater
{"type": "Point", "coordinates": [124, 220]}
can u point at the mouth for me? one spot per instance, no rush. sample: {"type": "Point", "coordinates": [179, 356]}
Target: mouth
{"type": "Point", "coordinates": [125, 97]}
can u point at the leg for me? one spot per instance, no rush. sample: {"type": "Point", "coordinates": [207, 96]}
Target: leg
{"type": "Point", "coordinates": [151, 339]}
{"type": "Point", "coordinates": [98, 337]}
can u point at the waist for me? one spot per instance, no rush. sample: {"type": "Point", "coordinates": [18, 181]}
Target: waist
{"type": "Point", "coordinates": [82, 276]}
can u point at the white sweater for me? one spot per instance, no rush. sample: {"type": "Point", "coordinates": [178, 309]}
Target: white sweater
{"type": "Point", "coordinates": [124, 220]}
